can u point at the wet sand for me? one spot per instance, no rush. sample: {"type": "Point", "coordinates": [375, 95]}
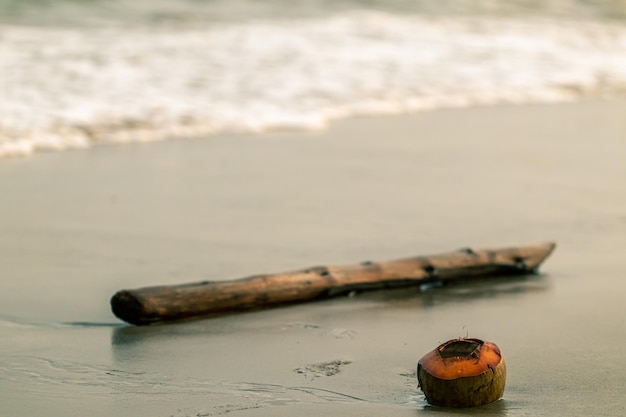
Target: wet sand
{"type": "Point", "coordinates": [77, 226]}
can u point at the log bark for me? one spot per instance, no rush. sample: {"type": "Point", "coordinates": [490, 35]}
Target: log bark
{"type": "Point", "coordinates": [209, 298]}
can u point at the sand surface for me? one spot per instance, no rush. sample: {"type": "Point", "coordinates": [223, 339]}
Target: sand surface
{"type": "Point", "coordinates": [77, 226]}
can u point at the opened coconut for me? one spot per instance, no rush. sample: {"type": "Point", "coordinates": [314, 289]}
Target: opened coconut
{"type": "Point", "coordinates": [462, 373]}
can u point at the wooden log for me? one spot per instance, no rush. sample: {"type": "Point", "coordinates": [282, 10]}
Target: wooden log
{"type": "Point", "coordinates": [208, 298]}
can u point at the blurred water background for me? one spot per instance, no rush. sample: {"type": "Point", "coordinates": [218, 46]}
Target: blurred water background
{"type": "Point", "coordinates": [76, 73]}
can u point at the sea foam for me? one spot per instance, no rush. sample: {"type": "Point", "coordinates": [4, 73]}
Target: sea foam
{"type": "Point", "coordinates": [63, 88]}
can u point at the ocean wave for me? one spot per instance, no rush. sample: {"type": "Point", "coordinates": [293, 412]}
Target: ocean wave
{"type": "Point", "coordinates": [77, 87]}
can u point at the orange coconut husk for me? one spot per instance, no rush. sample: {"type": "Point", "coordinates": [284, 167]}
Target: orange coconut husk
{"type": "Point", "coordinates": [462, 373]}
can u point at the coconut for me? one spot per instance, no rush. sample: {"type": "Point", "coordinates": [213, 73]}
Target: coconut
{"type": "Point", "coordinates": [462, 373]}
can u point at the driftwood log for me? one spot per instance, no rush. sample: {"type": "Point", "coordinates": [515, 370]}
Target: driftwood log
{"type": "Point", "coordinates": [209, 298]}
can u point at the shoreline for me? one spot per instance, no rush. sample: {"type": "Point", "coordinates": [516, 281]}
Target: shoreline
{"type": "Point", "coordinates": [301, 132]}
{"type": "Point", "coordinates": [78, 226]}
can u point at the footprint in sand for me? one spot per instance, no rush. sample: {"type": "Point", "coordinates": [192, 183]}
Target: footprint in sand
{"type": "Point", "coordinates": [322, 369]}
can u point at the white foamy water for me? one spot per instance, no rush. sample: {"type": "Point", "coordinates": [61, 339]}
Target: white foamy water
{"type": "Point", "coordinates": [79, 86]}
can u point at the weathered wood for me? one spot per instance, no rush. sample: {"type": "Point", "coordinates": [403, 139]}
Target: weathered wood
{"type": "Point", "coordinates": [163, 303]}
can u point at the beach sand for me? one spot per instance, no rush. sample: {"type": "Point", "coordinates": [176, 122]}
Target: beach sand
{"type": "Point", "coordinates": [78, 226]}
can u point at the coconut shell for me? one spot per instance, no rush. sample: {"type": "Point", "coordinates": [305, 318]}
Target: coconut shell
{"type": "Point", "coordinates": [462, 373]}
